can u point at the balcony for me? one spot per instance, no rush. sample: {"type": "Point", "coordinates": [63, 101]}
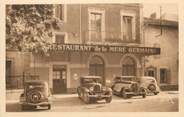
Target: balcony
{"type": "Point", "coordinates": [107, 37]}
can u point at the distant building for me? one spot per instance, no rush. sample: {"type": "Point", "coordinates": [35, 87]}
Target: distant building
{"type": "Point", "coordinates": [163, 67]}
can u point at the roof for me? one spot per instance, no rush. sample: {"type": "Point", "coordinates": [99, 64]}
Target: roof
{"type": "Point", "coordinates": [95, 77]}
{"type": "Point", "coordinates": [164, 22]}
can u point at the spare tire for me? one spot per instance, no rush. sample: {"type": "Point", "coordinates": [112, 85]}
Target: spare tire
{"type": "Point", "coordinates": [34, 96]}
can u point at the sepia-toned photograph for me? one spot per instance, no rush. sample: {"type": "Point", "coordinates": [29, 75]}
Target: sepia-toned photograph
{"type": "Point", "coordinates": [117, 57]}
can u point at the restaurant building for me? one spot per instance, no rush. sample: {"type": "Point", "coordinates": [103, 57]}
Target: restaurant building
{"type": "Point", "coordinates": [94, 39]}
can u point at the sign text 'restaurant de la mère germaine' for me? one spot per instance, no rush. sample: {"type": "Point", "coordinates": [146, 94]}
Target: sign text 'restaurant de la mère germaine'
{"type": "Point", "coordinates": [105, 48]}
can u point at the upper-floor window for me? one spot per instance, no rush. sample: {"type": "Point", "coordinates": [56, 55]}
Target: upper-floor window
{"type": "Point", "coordinates": [60, 11]}
{"type": "Point", "coordinates": [128, 27]}
{"type": "Point", "coordinates": [96, 25]}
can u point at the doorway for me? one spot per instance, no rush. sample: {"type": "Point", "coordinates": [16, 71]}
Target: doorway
{"type": "Point", "coordinates": [97, 67]}
{"type": "Point", "coordinates": [59, 79]}
{"type": "Point", "coordinates": [129, 67]}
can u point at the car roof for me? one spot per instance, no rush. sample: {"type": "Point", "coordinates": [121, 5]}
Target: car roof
{"type": "Point", "coordinates": [147, 77]}
{"type": "Point", "coordinates": [91, 77]}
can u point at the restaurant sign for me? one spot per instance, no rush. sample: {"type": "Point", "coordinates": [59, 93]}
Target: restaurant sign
{"type": "Point", "coordinates": [105, 48]}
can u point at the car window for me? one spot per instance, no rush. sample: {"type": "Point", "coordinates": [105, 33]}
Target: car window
{"type": "Point", "coordinates": [35, 86]}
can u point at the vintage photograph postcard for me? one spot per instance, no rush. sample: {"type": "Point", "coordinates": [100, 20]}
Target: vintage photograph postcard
{"type": "Point", "coordinates": [92, 57]}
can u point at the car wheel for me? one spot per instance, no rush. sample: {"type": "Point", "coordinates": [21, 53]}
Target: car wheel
{"type": "Point", "coordinates": [49, 107]}
{"type": "Point", "coordinates": [86, 98]}
{"type": "Point", "coordinates": [123, 94]}
{"type": "Point", "coordinates": [108, 99]}
{"type": "Point", "coordinates": [151, 88]}
{"type": "Point", "coordinates": [143, 91]}
{"type": "Point", "coordinates": [79, 93]}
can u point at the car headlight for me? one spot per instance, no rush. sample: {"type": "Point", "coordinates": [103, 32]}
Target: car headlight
{"type": "Point", "coordinates": [91, 88]}
{"type": "Point", "coordinates": [104, 89]}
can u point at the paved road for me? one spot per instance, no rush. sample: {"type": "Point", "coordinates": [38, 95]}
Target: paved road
{"type": "Point", "coordinates": [163, 102]}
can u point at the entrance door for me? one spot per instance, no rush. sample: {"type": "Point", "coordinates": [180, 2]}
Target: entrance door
{"type": "Point", "coordinates": [59, 80]}
{"type": "Point", "coordinates": [96, 68]}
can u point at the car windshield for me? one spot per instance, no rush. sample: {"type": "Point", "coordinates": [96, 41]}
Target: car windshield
{"type": "Point", "coordinates": [119, 79]}
{"type": "Point", "coordinates": [90, 80]}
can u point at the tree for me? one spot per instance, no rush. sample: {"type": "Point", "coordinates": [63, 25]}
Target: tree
{"type": "Point", "coordinates": [30, 27]}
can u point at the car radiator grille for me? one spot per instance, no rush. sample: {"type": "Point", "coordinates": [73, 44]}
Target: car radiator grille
{"type": "Point", "coordinates": [97, 88]}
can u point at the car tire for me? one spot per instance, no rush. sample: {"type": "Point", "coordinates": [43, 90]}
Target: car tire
{"type": "Point", "coordinates": [156, 93]}
{"type": "Point", "coordinates": [144, 93]}
{"type": "Point", "coordinates": [49, 107]}
{"type": "Point", "coordinates": [79, 93]}
{"type": "Point", "coordinates": [86, 98]}
{"type": "Point", "coordinates": [151, 88]}
{"type": "Point", "coordinates": [108, 99]}
{"type": "Point", "coordinates": [123, 94]}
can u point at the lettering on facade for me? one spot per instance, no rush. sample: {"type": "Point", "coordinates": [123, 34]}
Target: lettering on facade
{"type": "Point", "coordinates": [105, 48]}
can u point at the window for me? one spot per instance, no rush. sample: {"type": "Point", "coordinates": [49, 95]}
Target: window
{"type": "Point", "coordinates": [60, 38]}
{"type": "Point", "coordinates": [56, 74]}
{"type": "Point", "coordinates": [151, 73]}
{"type": "Point", "coordinates": [163, 75]}
{"type": "Point", "coordinates": [96, 25]}
{"type": "Point", "coordinates": [60, 12]}
{"type": "Point", "coordinates": [128, 27]}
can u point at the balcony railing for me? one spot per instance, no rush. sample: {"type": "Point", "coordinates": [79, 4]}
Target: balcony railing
{"type": "Point", "coordinates": [107, 37]}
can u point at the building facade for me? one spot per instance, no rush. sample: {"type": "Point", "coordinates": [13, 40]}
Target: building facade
{"type": "Point", "coordinates": [94, 39]}
{"type": "Point", "coordinates": [163, 67]}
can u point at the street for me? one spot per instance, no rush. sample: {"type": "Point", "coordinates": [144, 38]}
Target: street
{"type": "Point", "coordinates": [163, 102]}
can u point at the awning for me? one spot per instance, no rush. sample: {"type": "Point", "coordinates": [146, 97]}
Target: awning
{"type": "Point", "coordinates": [105, 48]}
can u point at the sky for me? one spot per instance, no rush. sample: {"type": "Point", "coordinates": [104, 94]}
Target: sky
{"type": "Point", "coordinates": [169, 8]}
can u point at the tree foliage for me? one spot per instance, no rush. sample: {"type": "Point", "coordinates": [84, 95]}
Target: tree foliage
{"type": "Point", "coordinates": [30, 27]}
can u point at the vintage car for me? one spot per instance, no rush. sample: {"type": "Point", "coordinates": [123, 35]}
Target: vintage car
{"type": "Point", "coordinates": [128, 86]}
{"type": "Point", "coordinates": [150, 84]}
{"type": "Point", "coordinates": [36, 93]}
{"type": "Point", "coordinates": [91, 90]}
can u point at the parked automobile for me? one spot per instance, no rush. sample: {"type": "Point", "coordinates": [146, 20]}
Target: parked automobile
{"type": "Point", "coordinates": [91, 90]}
{"type": "Point", "coordinates": [36, 93]}
{"type": "Point", "coordinates": [128, 86]}
{"type": "Point", "coordinates": [150, 84]}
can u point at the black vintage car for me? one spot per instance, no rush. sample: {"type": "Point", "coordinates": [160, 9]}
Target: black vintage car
{"type": "Point", "coordinates": [91, 90]}
{"type": "Point", "coordinates": [128, 86]}
{"type": "Point", "coordinates": [36, 93]}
